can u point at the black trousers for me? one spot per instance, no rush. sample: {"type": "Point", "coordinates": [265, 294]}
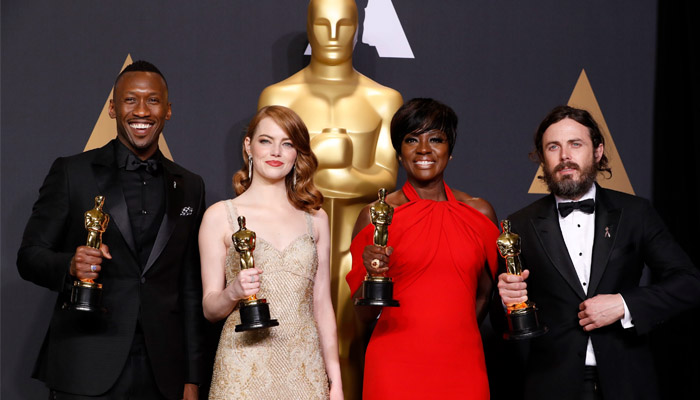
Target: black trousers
{"type": "Point", "coordinates": [591, 386]}
{"type": "Point", "coordinates": [136, 381]}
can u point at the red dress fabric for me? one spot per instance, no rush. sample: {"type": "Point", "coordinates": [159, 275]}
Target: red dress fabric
{"type": "Point", "coordinates": [430, 346]}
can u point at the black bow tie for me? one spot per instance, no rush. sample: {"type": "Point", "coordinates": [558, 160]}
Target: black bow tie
{"type": "Point", "coordinates": [587, 206]}
{"type": "Point", "coordinates": [133, 163]}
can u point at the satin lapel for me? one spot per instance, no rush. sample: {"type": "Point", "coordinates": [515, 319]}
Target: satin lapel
{"type": "Point", "coordinates": [174, 197]}
{"type": "Point", "coordinates": [107, 178]}
{"type": "Point", "coordinates": [546, 226]}
{"type": "Point", "coordinates": [607, 219]}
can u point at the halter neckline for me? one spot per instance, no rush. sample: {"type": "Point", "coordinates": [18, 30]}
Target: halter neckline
{"type": "Point", "coordinates": [412, 195]}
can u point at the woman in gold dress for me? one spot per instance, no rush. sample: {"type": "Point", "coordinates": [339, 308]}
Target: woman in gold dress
{"type": "Point", "coordinates": [299, 358]}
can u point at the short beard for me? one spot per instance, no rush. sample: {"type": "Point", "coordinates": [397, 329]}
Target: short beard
{"type": "Point", "coordinates": [567, 187]}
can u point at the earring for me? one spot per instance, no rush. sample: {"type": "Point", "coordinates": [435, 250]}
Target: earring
{"type": "Point", "coordinates": [294, 175]}
{"type": "Point", "coordinates": [250, 167]}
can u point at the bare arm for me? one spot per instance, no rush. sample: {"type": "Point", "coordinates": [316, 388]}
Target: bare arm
{"type": "Point", "coordinates": [483, 294]}
{"type": "Point", "coordinates": [362, 220]}
{"type": "Point", "coordinates": [485, 284]}
{"type": "Point", "coordinates": [219, 300]}
{"type": "Point", "coordinates": [323, 308]}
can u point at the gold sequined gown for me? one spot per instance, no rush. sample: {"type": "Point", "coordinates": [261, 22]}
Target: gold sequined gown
{"type": "Point", "coordinates": [283, 362]}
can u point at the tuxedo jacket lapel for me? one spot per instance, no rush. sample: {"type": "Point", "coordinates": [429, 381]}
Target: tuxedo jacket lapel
{"type": "Point", "coordinates": [174, 198]}
{"type": "Point", "coordinates": [607, 219]}
{"type": "Point", "coordinates": [548, 231]}
{"type": "Point", "coordinates": [107, 178]}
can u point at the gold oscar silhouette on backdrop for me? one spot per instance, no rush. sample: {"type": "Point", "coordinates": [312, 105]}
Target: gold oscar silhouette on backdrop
{"type": "Point", "coordinates": [348, 117]}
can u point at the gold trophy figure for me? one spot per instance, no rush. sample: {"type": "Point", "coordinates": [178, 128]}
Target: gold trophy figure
{"type": "Point", "coordinates": [348, 116]}
{"type": "Point", "coordinates": [522, 317]}
{"type": "Point", "coordinates": [86, 295]}
{"type": "Point", "coordinates": [378, 290]}
{"type": "Point", "coordinates": [255, 313]}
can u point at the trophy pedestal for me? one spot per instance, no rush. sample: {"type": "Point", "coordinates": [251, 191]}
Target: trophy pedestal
{"type": "Point", "coordinates": [524, 324]}
{"type": "Point", "coordinates": [86, 296]}
{"type": "Point", "coordinates": [255, 314]}
{"type": "Point", "coordinates": [377, 291]}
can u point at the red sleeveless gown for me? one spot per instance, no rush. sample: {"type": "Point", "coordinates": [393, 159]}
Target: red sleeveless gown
{"type": "Point", "coordinates": [429, 347]}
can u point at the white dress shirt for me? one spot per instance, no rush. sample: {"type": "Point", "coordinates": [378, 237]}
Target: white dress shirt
{"type": "Point", "coordinates": [578, 230]}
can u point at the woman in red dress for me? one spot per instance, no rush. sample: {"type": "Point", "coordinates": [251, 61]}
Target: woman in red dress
{"type": "Point", "coordinates": [442, 257]}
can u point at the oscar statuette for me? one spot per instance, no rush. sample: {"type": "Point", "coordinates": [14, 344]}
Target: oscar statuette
{"type": "Point", "coordinates": [255, 312]}
{"type": "Point", "coordinates": [378, 290]}
{"type": "Point", "coordinates": [522, 317]}
{"type": "Point", "coordinates": [86, 294]}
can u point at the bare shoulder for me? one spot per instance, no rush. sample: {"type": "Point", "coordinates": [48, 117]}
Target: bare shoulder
{"type": "Point", "coordinates": [319, 216]}
{"type": "Point", "coordinates": [396, 198]}
{"type": "Point", "coordinates": [216, 210]}
{"type": "Point", "coordinates": [477, 203]}
{"type": "Point", "coordinates": [247, 201]}
{"type": "Point", "coordinates": [216, 223]}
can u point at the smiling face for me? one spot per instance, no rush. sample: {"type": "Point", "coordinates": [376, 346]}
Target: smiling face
{"type": "Point", "coordinates": [272, 151]}
{"type": "Point", "coordinates": [570, 159]}
{"type": "Point", "coordinates": [331, 30]}
{"type": "Point", "coordinates": [424, 156]}
{"type": "Point", "coordinates": [140, 106]}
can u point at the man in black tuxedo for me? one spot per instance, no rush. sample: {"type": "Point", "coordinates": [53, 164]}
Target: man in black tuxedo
{"type": "Point", "coordinates": [148, 342]}
{"type": "Point", "coordinates": [584, 248]}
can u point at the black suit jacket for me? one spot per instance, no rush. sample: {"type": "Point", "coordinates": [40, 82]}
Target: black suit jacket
{"type": "Point", "coordinates": [86, 355]}
{"type": "Point", "coordinates": [628, 235]}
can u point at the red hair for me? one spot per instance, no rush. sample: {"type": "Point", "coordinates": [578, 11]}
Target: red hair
{"type": "Point", "coordinates": [304, 195]}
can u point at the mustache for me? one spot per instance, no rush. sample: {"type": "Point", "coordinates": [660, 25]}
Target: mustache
{"type": "Point", "coordinates": [566, 164]}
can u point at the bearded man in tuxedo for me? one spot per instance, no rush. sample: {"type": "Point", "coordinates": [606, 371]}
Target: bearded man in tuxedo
{"type": "Point", "coordinates": [584, 249]}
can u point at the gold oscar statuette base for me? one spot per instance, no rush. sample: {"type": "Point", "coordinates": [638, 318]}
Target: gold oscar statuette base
{"type": "Point", "coordinates": [377, 291]}
{"type": "Point", "coordinates": [255, 314]}
{"type": "Point", "coordinates": [523, 323]}
{"type": "Point", "coordinates": [86, 296]}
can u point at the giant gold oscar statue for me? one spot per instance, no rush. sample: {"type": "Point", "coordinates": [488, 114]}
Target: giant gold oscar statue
{"type": "Point", "coordinates": [348, 117]}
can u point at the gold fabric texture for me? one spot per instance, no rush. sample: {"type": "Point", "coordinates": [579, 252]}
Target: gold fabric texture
{"type": "Point", "coordinates": [283, 362]}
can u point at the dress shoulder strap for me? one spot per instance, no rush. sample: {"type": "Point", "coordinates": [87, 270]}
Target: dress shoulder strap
{"type": "Point", "coordinates": [310, 225]}
{"type": "Point", "coordinates": [410, 192]}
{"type": "Point", "coordinates": [232, 214]}
{"type": "Point", "coordinates": [448, 192]}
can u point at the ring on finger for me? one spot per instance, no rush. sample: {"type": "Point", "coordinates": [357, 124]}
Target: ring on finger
{"type": "Point", "coordinates": [375, 263]}
{"type": "Point", "coordinates": [252, 279]}
{"type": "Point", "coordinates": [93, 268]}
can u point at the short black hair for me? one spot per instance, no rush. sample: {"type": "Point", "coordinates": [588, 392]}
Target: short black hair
{"type": "Point", "coordinates": [581, 116]}
{"type": "Point", "coordinates": [421, 115]}
{"type": "Point", "coordinates": [141, 66]}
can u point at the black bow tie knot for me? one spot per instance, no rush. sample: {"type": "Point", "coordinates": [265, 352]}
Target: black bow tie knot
{"type": "Point", "coordinates": [586, 206]}
{"type": "Point", "coordinates": [133, 163]}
